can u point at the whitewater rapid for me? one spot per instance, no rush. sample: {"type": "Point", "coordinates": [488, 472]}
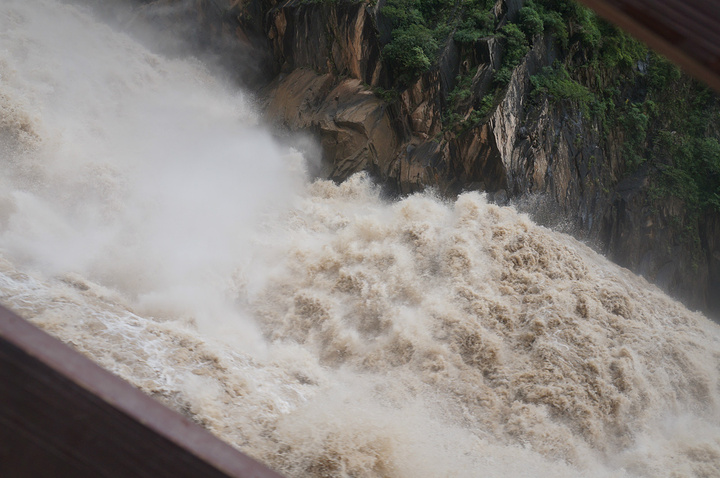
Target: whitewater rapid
{"type": "Point", "coordinates": [149, 221]}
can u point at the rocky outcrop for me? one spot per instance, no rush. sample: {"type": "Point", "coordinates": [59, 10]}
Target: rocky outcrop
{"type": "Point", "coordinates": [334, 38]}
{"type": "Point", "coordinates": [351, 123]}
{"type": "Point", "coordinates": [644, 237]}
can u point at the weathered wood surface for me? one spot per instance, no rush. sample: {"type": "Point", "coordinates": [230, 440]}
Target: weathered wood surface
{"type": "Point", "coordinates": [685, 31]}
{"type": "Point", "coordinates": [62, 415]}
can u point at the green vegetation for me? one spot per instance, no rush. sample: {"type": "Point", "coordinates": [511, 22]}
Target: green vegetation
{"type": "Point", "coordinates": [694, 174]}
{"type": "Point", "coordinates": [666, 121]}
{"type": "Point", "coordinates": [600, 82]}
{"type": "Point", "coordinates": [476, 21]}
{"type": "Point", "coordinates": [461, 90]}
{"type": "Point", "coordinates": [419, 27]}
{"type": "Point", "coordinates": [413, 50]}
{"type": "Point", "coordinates": [516, 47]}
{"type": "Point", "coordinates": [686, 116]}
{"type": "Point", "coordinates": [556, 83]}
{"type": "Point", "coordinates": [635, 127]}
{"type": "Point", "coordinates": [455, 122]}
{"type": "Point", "coordinates": [531, 21]}
{"type": "Point", "coordinates": [389, 96]}
{"type": "Point", "coordinates": [536, 19]}
{"type": "Point", "coordinates": [451, 119]}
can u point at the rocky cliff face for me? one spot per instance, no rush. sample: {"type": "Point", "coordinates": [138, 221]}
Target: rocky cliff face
{"type": "Point", "coordinates": [318, 67]}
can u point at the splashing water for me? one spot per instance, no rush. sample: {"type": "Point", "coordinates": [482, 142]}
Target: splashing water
{"type": "Point", "coordinates": [148, 221]}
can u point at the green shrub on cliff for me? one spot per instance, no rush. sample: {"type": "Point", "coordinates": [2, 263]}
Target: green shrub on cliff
{"type": "Point", "coordinates": [634, 125]}
{"type": "Point", "coordinates": [419, 27]}
{"type": "Point", "coordinates": [618, 50]}
{"type": "Point", "coordinates": [412, 50]}
{"type": "Point", "coordinates": [516, 47]}
{"type": "Point", "coordinates": [417, 30]}
{"type": "Point", "coordinates": [531, 21]}
{"type": "Point", "coordinates": [661, 73]}
{"type": "Point", "coordinates": [556, 83]}
{"type": "Point", "coordinates": [694, 175]}
{"type": "Point", "coordinates": [403, 13]}
{"type": "Point", "coordinates": [588, 27]}
{"type": "Point", "coordinates": [476, 21]}
{"type": "Point", "coordinates": [536, 18]}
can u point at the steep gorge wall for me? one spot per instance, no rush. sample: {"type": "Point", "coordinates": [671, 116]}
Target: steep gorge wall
{"type": "Point", "coordinates": [318, 68]}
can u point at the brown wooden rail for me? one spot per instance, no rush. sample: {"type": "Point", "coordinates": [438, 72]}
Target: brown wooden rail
{"type": "Point", "coordinates": [62, 415]}
{"type": "Point", "coordinates": [685, 31]}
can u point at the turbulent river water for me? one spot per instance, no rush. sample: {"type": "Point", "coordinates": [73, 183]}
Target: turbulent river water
{"type": "Point", "coordinates": [148, 220]}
